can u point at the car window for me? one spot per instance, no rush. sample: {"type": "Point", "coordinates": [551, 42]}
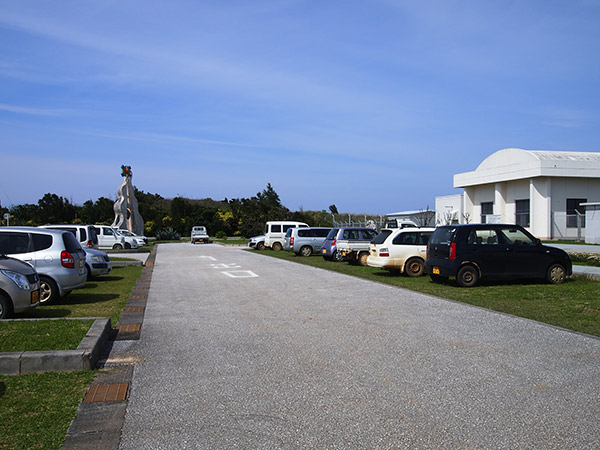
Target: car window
{"type": "Point", "coordinates": [43, 241]}
{"type": "Point", "coordinates": [368, 235]}
{"type": "Point", "coordinates": [483, 237]}
{"type": "Point", "coordinates": [107, 231]}
{"type": "Point", "coordinates": [332, 233]}
{"type": "Point", "coordinates": [14, 243]}
{"type": "Point", "coordinates": [304, 233]}
{"type": "Point", "coordinates": [275, 228]}
{"type": "Point", "coordinates": [423, 238]}
{"type": "Point", "coordinates": [71, 244]}
{"type": "Point", "coordinates": [83, 234]}
{"type": "Point", "coordinates": [406, 239]}
{"type": "Point", "coordinates": [442, 236]}
{"type": "Point", "coordinates": [351, 235]}
{"type": "Point", "coordinates": [514, 236]}
{"type": "Point", "coordinates": [321, 232]}
{"type": "Point", "coordinates": [381, 237]}
{"type": "Point", "coordinates": [288, 233]}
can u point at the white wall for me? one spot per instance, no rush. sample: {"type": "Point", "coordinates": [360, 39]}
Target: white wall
{"type": "Point", "coordinates": [592, 224]}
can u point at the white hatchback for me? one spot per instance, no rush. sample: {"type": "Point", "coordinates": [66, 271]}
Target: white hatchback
{"type": "Point", "coordinates": [401, 250]}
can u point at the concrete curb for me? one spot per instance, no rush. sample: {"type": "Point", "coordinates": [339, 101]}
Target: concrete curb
{"type": "Point", "coordinates": [83, 358]}
{"type": "Point", "coordinates": [126, 263]}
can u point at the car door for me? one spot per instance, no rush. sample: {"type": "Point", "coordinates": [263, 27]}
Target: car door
{"type": "Point", "coordinates": [525, 258]}
{"type": "Point", "coordinates": [488, 251]}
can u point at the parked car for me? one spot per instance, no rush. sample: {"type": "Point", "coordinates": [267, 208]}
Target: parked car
{"type": "Point", "coordinates": [199, 234]}
{"type": "Point", "coordinates": [108, 237]}
{"type": "Point", "coordinates": [97, 263]}
{"type": "Point", "coordinates": [473, 252]}
{"type": "Point", "coordinates": [305, 241]}
{"type": "Point", "coordinates": [275, 232]}
{"type": "Point", "coordinates": [141, 240]}
{"type": "Point", "coordinates": [257, 242]}
{"type": "Point", "coordinates": [400, 250]}
{"type": "Point", "coordinates": [329, 247]}
{"type": "Point", "coordinates": [55, 254]}
{"type": "Point", "coordinates": [19, 287]}
{"type": "Point", "coordinates": [85, 234]}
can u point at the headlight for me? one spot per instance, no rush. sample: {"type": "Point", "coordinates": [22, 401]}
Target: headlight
{"type": "Point", "coordinates": [19, 279]}
{"type": "Point", "coordinates": [98, 258]}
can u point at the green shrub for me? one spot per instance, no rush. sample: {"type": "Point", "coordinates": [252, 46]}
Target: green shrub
{"type": "Point", "coordinates": [221, 235]}
{"type": "Point", "coordinates": [168, 234]}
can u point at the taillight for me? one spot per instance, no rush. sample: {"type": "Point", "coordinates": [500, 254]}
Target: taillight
{"type": "Point", "coordinates": [384, 252]}
{"type": "Point", "coordinates": [292, 241]}
{"type": "Point", "coordinates": [67, 260]}
{"type": "Point", "coordinates": [452, 254]}
{"type": "Point", "coordinates": [333, 242]}
{"type": "Point", "coordinates": [427, 251]}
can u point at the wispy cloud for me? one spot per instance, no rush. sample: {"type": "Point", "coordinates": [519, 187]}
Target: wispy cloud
{"type": "Point", "coordinates": [33, 111]}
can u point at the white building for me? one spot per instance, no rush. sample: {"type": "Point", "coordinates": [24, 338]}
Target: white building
{"type": "Point", "coordinates": [541, 190]}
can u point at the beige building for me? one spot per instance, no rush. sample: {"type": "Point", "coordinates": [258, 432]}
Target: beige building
{"type": "Point", "coordinates": [541, 190]}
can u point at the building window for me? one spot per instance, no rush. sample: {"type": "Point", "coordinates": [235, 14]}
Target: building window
{"type": "Point", "coordinates": [574, 210]}
{"type": "Point", "coordinates": [487, 209]}
{"type": "Point", "coordinates": [522, 212]}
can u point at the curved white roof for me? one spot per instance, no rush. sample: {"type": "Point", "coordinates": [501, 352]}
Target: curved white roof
{"type": "Point", "coordinates": [517, 164]}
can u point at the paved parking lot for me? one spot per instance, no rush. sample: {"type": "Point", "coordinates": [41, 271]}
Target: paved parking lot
{"type": "Point", "coordinates": [239, 350]}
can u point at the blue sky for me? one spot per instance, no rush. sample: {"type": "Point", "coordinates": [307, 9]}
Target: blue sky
{"type": "Point", "coordinates": [369, 105]}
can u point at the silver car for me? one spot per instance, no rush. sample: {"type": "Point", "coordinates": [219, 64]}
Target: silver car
{"type": "Point", "coordinates": [96, 262]}
{"type": "Point", "coordinates": [56, 256]}
{"type": "Point", "coordinates": [257, 242]}
{"type": "Point", "coordinates": [141, 240]}
{"type": "Point", "coordinates": [19, 287]}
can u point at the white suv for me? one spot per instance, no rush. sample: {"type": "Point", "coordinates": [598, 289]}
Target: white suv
{"type": "Point", "coordinates": [400, 250]}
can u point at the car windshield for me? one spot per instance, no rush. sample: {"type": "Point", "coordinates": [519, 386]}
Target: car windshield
{"type": "Point", "coordinates": [333, 233]}
{"type": "Point", "coordinates": [381, 237]}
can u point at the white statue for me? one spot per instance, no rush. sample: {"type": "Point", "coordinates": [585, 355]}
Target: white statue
{"type": "Point", "coordinates": [127, 216]}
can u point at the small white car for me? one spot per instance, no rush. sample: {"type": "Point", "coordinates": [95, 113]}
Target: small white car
{"type": "Point", "coordinates": [141, 240]}
{"type": "Point", "coordinates": [401, 250]}
{"type": "Point", "coordinates": [108, 237]}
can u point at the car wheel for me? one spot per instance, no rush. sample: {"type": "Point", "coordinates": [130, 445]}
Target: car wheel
{"type": "Point", "coordinates": [306, 251]}
{"type": "Point", "coordinates": [48, 290]}
{"type": "Point", "coordinates": [5, 307]}
{"type": "Point", "coordinates": [467, 276]}
{"type": "Point", "coordinates": [556, 274]}
{"type": "Point", "coordinates": [362, 258]}
{"type": "Point", "coordinates": [117, 247]}
{"type": "Point", "coordinates": [127, 245]}
{"type": "Point", "coordinates": [439, 279]}
{"type": "Point", "coordinates": [338, 257]}
{"type": "Point", "coordinates": [260, 246]}
{"type": "Point", "coordinates": [276, 246]}
{"type": "Point", "coordinates": [414, 267]}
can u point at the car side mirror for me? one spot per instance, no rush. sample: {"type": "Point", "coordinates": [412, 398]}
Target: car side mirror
{"type": "Point", "coordinates": [538, 242]}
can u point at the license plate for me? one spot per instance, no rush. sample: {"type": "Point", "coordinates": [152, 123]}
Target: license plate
{"type": "Point", "coordinates": [436, 270]}
{"type": "Point", "coordinates": [35, 295]}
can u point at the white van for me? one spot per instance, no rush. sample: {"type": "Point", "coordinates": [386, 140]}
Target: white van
{"type": "Point", "coordinates": [275, 232]}
{"type": "Point", "coordinates": [108, 237]}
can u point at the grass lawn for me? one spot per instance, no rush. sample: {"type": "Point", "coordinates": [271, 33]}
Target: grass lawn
{"type": "Point", "coordinates": [36, 409]}
{"type": "Point", "coordinates": [103, 296]}
{"type": "Point", "coordinates": [574, 305]}
{"type": "Point", "coordinates": [42, 335]}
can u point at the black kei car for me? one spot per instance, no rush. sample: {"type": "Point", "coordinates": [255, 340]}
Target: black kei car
{"type": "Point", "coordinates": [474, 251]}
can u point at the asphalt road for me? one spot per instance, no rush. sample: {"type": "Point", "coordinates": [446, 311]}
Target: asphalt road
{"type": "Point", "coordinates": [242, 351]}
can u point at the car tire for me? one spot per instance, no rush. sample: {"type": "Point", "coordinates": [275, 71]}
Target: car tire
{"type": "Point", "coordinates": [414, 267]}
{"type": "Point", "coordinates": [127, 245]}
{"type": "Point", "coordinates": [260, 246]}
{"type": "Point", "coordinates": [48, 291]}
{"type": "Point", "coordinates": [362, 258]}
{"type": "Point", "coordinates": [276, 246]}
{"type": "Point", "coordinates": [556, 274]}
{"type": "Point", "coordinates": [117, 247]}
{"type": "Point", "coordinates": [5, 307]}
{"type": "Point", "coordinates": [438, 279]}
{"type": "Point", "coordinates": [306, 251]}
{"type": "Point", "coordinates": [89, 272]}
{"type": "Point", "coordinates": [467, 276]}
{"type": "Point", "coordinates": [337, 256]}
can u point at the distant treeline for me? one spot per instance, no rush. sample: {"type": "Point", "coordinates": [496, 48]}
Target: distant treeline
{"type": "Point", "coordinates": [235, 217]}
